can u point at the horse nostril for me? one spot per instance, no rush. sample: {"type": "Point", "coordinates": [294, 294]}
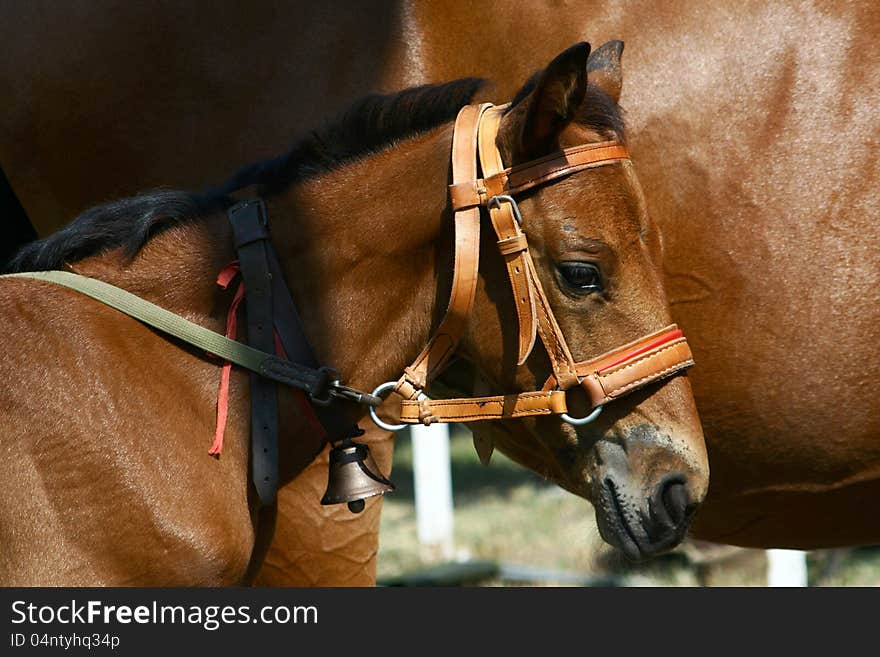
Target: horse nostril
{"type": "Point", "coordinates": [675, 498]}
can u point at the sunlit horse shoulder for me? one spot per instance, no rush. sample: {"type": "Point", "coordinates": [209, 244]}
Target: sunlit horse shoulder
{"type": "Point", "coordinates": [108, 480]}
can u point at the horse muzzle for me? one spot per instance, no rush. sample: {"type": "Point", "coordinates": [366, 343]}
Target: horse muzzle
{"type": "Point", "coordinates": [640, 514]}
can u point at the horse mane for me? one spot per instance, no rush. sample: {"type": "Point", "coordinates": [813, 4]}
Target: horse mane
{"type": "Point", "coordinates": [369, 125]}
{"type": "Point", "coordinates": [127, 223]}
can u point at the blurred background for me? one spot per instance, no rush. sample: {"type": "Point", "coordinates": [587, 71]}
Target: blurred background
{"type": "Point", "coordinates": [503, 525]}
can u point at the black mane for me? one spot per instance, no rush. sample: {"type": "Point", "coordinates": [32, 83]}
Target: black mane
{"type": "Point", "coordinates": [126, 223]}
{"type": "Point", "coordinates": [369, 125]}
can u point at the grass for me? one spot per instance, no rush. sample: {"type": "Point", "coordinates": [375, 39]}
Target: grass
{"type": "Point", "coordinates": [507, 514]}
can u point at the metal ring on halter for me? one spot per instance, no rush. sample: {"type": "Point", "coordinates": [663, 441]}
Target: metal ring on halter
{"type": "Point", "coordinates": [576, 421]}
{"type": "Point", "coordinates": [496, 200]}
{"type": "Point", "coordinates": [379, 423]}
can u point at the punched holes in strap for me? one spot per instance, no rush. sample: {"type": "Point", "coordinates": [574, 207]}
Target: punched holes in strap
{"type": "Point", "coordinates": [506, 221]}
{"type": "Point", "coordinates": [248, 220]}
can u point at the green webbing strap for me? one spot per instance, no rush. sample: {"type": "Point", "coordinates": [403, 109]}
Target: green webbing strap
{"type": "Point", "coordinates": [314, 382]}
{"type": "Point", "coordinates": [155, 316]}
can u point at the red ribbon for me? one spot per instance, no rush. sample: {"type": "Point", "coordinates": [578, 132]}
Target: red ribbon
{"type": "Point", "coordinates": [223, 280]}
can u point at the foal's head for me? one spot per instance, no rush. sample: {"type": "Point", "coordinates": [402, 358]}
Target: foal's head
{"type": "Point", "coordinates": [599, 258]}
{"type": "Point", "coordinates": [367, 247]}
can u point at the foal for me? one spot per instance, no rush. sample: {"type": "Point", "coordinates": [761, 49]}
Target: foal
{"type": "Point", "coordinates": [106, 479]}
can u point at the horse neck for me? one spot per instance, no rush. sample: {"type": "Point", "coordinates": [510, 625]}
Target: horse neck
{"type": "Point", "coordinates": [175, 269]}
{"type": "Point", "coordinates": [363, 249]}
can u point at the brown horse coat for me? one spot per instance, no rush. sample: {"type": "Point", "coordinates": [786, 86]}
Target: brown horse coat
{"type": "Point", "coordinates": [752, 125]}
{"type": "Point", "coordinates": [370, 279]}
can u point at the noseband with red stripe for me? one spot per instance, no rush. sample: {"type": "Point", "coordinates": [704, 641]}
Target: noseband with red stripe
{"type": "Point", "coordinates": [616, 373]}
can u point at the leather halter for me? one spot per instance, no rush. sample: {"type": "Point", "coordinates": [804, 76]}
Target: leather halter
{"type": "Point", "coordinates": [613, 374]}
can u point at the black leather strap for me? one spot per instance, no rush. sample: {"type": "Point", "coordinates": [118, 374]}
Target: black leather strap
{"type": "Point", "coordinates": [313, 382]}
{"type": "Point", "coordinates": [296, 344]}
{"type": "Point", "coordinates": [248, 220]}
{"type": "Point", "coordinates": [269, 306]}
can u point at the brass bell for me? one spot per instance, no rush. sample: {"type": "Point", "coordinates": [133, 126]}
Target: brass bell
{"type": "Point", "coordinates": [354, 476]}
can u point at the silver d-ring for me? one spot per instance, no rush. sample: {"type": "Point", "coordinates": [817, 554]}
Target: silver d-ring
{"type": "Point", "coordinates": [576, 421]}
{"type": "Point", "coordinates": [390, 385]}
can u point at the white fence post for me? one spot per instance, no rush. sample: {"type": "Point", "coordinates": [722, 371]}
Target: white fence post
{"type": "Point", "coordinates": [786, 568]}
{"type": "Point", "coordinates": [432, 473]}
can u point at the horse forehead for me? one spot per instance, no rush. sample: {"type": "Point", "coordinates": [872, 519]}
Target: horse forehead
{"type": "Point", "coordinates": [606, 201]}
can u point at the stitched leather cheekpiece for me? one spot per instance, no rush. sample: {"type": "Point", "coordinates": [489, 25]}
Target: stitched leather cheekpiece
{"type": "Point", "coordinates": [608, 377]}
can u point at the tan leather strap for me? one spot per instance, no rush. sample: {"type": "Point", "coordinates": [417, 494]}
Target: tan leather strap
{"type": "Point", "coordinates": [427, 411]}
{"type": "Point", "coordinates": [610, 360]}
{"type": "Point", "coordinates": [634, 365]}
{"type": "Point", "coordinates": [508, 230]}
{"type": "Point", "coordinates": [607, 385]}
{"type": "Point", "coordinates": [512, 242]}
{"type": "Point", "coordinates": [471, 193]}
{"type": "Point", "coordinates": [606, 378]}
{"type": "Point", "coordinates": [442, 344]}
{"type": "Point", "coordinates": [561, 360]}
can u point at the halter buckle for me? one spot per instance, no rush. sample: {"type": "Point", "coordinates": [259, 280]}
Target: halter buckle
{"type": "Point", "coordinates": [495, 201]}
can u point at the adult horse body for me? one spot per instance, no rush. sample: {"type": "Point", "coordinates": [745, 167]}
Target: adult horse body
{"type": "Point", "coordinates": [730, 104]}
{"type": "Point", "coordinates": [108, 474]}
{"type": "Point", "coordinates": [753, 127]}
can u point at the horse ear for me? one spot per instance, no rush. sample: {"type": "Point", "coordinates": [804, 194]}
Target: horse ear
{"type": "Point", "coordinates": [533, 125]}
{"type": "Point", "coordinates": [603, 68]}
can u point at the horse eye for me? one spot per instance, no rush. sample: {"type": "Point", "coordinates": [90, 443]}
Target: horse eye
{"type": "Point", "coordinates": [582, 276]}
